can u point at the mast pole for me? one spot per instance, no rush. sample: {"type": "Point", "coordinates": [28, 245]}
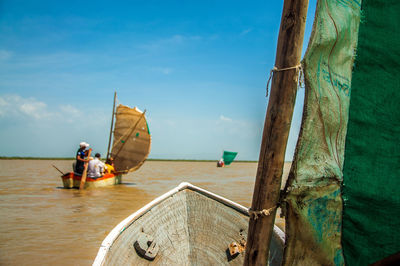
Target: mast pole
{"type": "Point", "coordinates": [276, 131]}
{"type": "Point", "coordinates": [112, 125]}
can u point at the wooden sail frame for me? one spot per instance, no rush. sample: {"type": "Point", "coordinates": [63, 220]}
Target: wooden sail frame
{"type": "Point", "coordinates": [276, 131]}
{"type": "Point", "coordinates": [131, 139]}
{"type": "Point", "coordinates": [125, 136]}
{"type": "Point", "coordinates": [112, 126]}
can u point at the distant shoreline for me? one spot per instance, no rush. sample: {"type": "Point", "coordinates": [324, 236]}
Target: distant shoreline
{"type": "Point", "coordinates": [71, 158]}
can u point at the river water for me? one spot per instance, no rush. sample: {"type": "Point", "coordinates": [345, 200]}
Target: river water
{"type": "Point", "coordinates": [42, 223]}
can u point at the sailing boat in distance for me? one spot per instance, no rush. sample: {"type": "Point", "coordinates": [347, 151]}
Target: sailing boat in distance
{"type": "Point", "coordinates": [227, 158]}
{"type": "Point", "coordinates": [130, 147]}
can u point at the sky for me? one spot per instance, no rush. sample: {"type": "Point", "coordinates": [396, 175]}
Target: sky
{"type": "Point", "coordinates": [198, 68]}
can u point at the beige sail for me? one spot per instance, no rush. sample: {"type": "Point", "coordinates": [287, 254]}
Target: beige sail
{"type": "Point", "coordinates": [132, 139]}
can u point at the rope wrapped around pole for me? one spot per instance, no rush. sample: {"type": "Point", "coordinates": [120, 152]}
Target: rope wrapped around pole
{"type": "Point", "coordinates": [298, 76]}
{"type": "Point", "coordinates": [284, 84]}
{"type": "Point", "coordinates": [263, 213]}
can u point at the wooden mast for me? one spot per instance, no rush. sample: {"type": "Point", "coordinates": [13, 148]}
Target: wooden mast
{"type": "Point", "coordinates": [112, 125]}
{"type": "Point", "coordinates": [276, 131]}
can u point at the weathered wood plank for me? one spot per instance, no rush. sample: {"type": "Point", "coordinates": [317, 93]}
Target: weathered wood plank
{"type": "Point", "coordinates": [276, 130]}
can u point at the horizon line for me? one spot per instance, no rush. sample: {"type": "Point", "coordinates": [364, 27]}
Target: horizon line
{"type": "Point", "coordinates": [149, 159]}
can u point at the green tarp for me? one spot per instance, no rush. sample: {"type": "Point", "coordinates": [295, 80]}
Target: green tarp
{"type": "Point", "coordinates": [313, 193]}
{"type": "Point", "coordinates": [371, 174]}
{"type": "Point", "coordinates": [342, 203]}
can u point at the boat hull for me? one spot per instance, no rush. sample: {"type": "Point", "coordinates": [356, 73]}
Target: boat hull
{"type": "Point", "coordinates": [190, 226]}
{"type": "Point", "coordinates": [71, 180]}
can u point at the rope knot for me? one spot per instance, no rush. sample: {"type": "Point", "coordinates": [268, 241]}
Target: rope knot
{"type": "Point", "coordinates": [299, 72]}
{"type": "Point", "coordinates": [262, 213]}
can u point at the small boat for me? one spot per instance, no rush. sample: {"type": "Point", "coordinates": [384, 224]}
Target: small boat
{"type": "Point", "coordinates": [72, 180]}
{"type": "Point", "coordinates": [131, 146]}
{"type": "Point", "coordinates": [227, 158]}
{"type": "Point", "coordinates": [185, 226]}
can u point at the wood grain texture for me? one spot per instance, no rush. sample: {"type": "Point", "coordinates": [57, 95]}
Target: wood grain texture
{"type": "Point", "coordinates": [190, 228]}
{"type": "Point", "coordinates": [276, 130]}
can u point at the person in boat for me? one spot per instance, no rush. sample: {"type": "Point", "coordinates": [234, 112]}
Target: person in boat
{"type": "Point", "coordinates": [81, 154]}
{"type": "Point", "coordinates": [221, 163]}
{"type": "Point", "coordinates": [95, 167]}
{"type": "Point", "coordinates": [110, 166]}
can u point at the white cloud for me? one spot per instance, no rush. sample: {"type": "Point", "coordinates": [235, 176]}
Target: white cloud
{"type": "Point", "coordinates": [175, 39]}
{"type": "Point", "coordinates": [4, 55]}
{"type": "Point", "coordinates": [15, 105]}
{"type": "Point", "coordinates": [69, 113]}
{"type": "Point", "coordinates": [34, 109]}
{"type": "Point", "coordinates": [3, 106]}
{"type": "Point", "coordinates": [179, 39]}
{"type": "Point", "coordinates": [163, 70]}
{"type": "Point", "coordinates": [36, 126]}
{"type": "Point", "coordinates": [224, 118]}
{"type": "Point", "coordinates": [69, 110]}
{"type": "Point", "coordinates": [168, 42]}
{"type": "Point", "coordinates": [12, 106]}
{"type": "Point", "coordinates": [245, 32]}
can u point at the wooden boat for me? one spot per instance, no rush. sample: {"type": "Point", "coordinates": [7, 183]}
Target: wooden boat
{"type": "Point", "coordinates": [185, 226]}
{"type": "Point", "coordinates": [71, 180]}
{"type": "Point", "coordinates": [131, 145]}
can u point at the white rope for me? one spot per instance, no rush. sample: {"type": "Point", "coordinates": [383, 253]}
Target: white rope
{"type": "Point", "coordinates": [262, 213]}
{"type": "Point", "coordinates": [299, 72]}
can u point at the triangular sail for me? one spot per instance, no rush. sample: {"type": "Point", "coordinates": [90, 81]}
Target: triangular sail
{"type": "Point", "coordinates": [132, 139]}
{"type": "Point", "coordinates": [228, 157]}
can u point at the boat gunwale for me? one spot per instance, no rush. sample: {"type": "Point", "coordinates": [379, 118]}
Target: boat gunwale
{"type": "Point", "coordinates": [117, 230]}
{"type": "Point", "coordinates": [74, 176]}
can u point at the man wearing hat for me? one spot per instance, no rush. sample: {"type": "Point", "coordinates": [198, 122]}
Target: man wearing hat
{"type": "Point", "coordinates": [80, 158]}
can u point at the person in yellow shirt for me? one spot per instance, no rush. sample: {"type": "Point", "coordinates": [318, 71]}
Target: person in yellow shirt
{"type": "Point", "coordinates": [110, 166]}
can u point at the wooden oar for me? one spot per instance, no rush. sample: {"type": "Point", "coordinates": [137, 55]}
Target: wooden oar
{"type": "Point", "coordinates": [83, 179]}
{"type": "Point", "coordinates": [58, 169]}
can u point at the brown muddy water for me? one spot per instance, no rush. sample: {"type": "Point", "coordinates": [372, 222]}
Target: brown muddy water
{"type": "Point", "coordinates": [43, 224]}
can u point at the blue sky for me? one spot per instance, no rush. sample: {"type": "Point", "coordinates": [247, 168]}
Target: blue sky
{"type": "Point", "coordinates": [199, 68]}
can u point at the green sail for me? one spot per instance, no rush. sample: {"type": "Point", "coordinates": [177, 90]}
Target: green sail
{"type": "Point", "coordinates": [313, 193]}
{"type": "Point", "coordinates": [228, 157]}
{"type": "Point", "coordinates": [371, 174]}
{"type": "Point", "coordinates": [341, 201]}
